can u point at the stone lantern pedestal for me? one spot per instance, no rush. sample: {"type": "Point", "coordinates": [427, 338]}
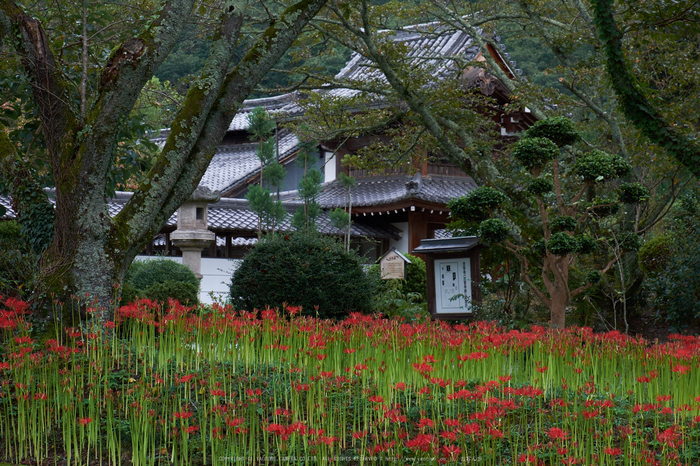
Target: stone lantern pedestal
{"type": "Point", "coordinates": [192, 234]}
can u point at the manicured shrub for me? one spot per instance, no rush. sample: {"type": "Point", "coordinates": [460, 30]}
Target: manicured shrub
{"type": "Point", "coordinates": [302, 269]}
{"type": "Point", "coordinates": [148, 273]}
{"type": "Point", "coordinates": [534, 152]}
{"type": "Point", "coordinates": [654, 254]}
{"type": "Point", "coordinates": [559, 130]}
{"type": "Point", "coordinates": [159, 280]}
{"type": "Point", "coordinates": [184, 292]}
{"type": "Point", "coordinates": [477, 205]}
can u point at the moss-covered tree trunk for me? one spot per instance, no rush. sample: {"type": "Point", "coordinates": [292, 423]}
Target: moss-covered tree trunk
{"type": "Point", "coordinates": [91, 251]}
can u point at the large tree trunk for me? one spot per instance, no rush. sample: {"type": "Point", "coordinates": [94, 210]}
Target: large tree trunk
{"type": "Point", "coordinates": [90, 251]}
{"type": "Point", "coordinates": [559, 301]}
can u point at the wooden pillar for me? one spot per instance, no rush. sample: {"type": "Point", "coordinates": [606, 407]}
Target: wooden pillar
{"type": "Point", "coordinates": [417, 229]}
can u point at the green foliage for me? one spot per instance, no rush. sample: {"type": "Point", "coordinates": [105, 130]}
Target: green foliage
{"type": "Point", "coordinates": [559, 130]}
{"type": "Point", "coordinates": [396, 301]}
{"type": "Point", "coordinates": [596, 166]}
{"type": "Point", "coordinates": [309, 187]}
{"type": "Point", "coordinates": [562, 223]}
{"type": "Point", "coordinates": [629, 241]}
{"type": "Point", "coordinates": [655, 254]}
{"type": "Point", "coordinates": [594, 277]}
{"type": "Point", "coordinates": [415, 282]}
{"type": "Point", "coordinates": [604, 206]}
{"type": "Point", "coordinates": [160, 279]}
{"type": "Point", "coordinates": [493, 230]}
{"type": "Point", "coordinates": [634, 103]}
{"type": "Point", "coordinates": [271, 212]}
{"type": "Point", "coordinates": [633, 193]}
{"type": "Point", "coordinates": [260, 124]}
{"type": "Point", "coordinates": [302, 269]}
{"type": "Point", "coordinates": [184, 292]}
{"type": "Point", "coordinates": [339, 218]}
{"type": "Point", "coordinates": [585, 244]}
{"type": "Point", "coordinates": [676, 282]}
{"type": "Point", "coordinates": [540, 186]}
{"type": "Point", "coordinates": [18, 265]}
{"type": "Point", "coordinates": [533, 153]}
{"type": "Point", "coordinates": [561, 244]}
{"type": "Point", "coordinates": [476, 206]}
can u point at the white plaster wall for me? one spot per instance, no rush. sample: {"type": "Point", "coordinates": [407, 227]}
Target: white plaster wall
{"type": "Point", "coordinates": [329, 172]}
{"type": "Point", "coordinates": [401, 244]}
{"type": "Point", "coordinates": [216, 276]}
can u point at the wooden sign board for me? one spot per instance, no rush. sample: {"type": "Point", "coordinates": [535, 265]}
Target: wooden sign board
{"type": "Point", "coordinates": [453, 274]}
{"type": "Point", "coordinates": [393, 265]}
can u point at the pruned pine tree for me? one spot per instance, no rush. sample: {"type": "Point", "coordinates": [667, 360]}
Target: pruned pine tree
{"type": "Point", "coordinates": [550, 211]}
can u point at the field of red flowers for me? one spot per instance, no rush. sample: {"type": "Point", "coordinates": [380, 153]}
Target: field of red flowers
{"type": "Point", "coordinates": [213, 386]}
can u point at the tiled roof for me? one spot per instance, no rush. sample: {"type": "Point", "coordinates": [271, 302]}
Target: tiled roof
{"type": "Point", "coordinates": [235, 163]}
{"type": "Point", "coordinates": [428, 44]}
{"type": "Point", "coordinates": [10, 213]}
{"type": "Point", "coordinates": [381, 191]}
{"type": "Point", "coordinates": [283, 106]}
{"type": "Point", "coordinates": [234, 215]}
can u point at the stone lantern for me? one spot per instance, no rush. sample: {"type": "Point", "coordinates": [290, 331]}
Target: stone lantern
{"type": "Point", "coordinates": [192, 234]}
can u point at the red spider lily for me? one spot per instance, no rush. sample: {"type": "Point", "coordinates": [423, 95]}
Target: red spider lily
{"type": "Point", "coordinates": [425, 422]}
{"type": "Point", "coordinates": [670, 437]}
{"type": "Point", "coordinates": [359, 435]}
{"type": "Point", "coordinates": [451, 450]}
{"type": "Point", "coordinates": [424, 391]}
{"type": "Point", "coordinates": [438, 381]}
{"type": "Point", "coordinates": [191, 429]}
{"type": "Point", "coordinates": [72, 332]}
{"type": "Point", "coordinates": [681, 369]}
{"type": "Point", "coordinates": [85, 421]}
{"type": "Point", "coordinates": [316, 341]}
{"type": "Point", "coordinates": [23, 341]}
{"type": "Point", "coordinates": [182, 415]}
{"type": "Point", "coordinates": [217, 392]}
{"type": "Point", "coordinates": [400, 386]}
{"type": "Point", "coordinates": [448, 435]}
{"type": "Point", "coordinates": [301, 387]}
{"type": "Point", "coordinates": [16, 306]}
{"type": "Point", "coordinates": [523, 458]}
{"type": "Point", "coordinates": [394, 415]}
{"type": "Point", "coordinates": [555, 433]}
{"type": "Point", "coordinates": [541, 369]}
{"type": "Point", "coordinates": [184, 379]}
{"type": "Point", "coordinates": [235, 422]}
{"type": "Point", "coordinates": [292, 310]}
{"type": "Point", "coordinates": [423, 369]}
{"type": "Point", "coordinates": [376, 399]}
{"type": "Point", "coordinates": [421, 442]}
{"type": "Point", "coordinates": [328, 440]}
{"type": "Point", "coordinates": [612, 451]}
{"type": "Point", "coordinates": [5, 365]}
{"type": "Point", "coordinates": [349, 350]}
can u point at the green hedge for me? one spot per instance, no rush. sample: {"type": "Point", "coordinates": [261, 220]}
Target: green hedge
{"type": "Point", "coordinates": [302, 269]}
